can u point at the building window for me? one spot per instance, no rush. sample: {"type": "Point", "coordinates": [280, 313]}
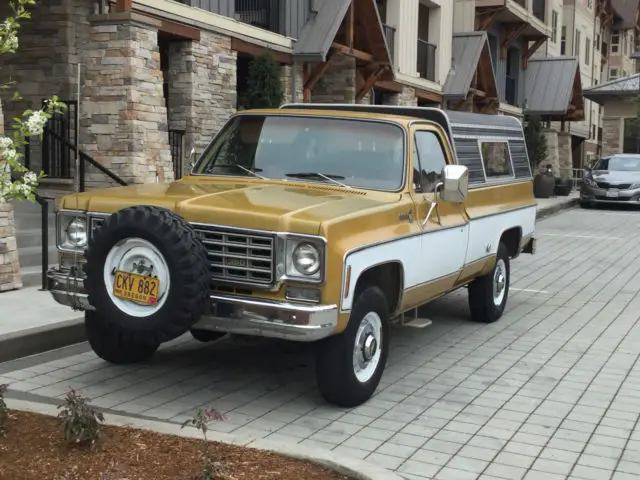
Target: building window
{"type": "Point", "coordinates": [563, 40]}
{"type": "Point", "coordinates": [596, 43]}
{"type": "Point", "coordinates": [615, 42]}
{"type": "Point", "coordinates": [590, 4]}
{"type": "Point", "coordinates": [587, 51]}
{"type": "Point", "coordinates": [576, 44]}
{"type": "Point", "coordinates": [554, 26]}
{"type": "Point", "coordinates": [613, 74]}
{"type": "Point", "coordinates": [631, 135]}
{"type": "Point", "coordinates": [496, 159]}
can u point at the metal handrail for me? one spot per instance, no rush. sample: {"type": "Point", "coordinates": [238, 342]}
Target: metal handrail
{"type": "Point", "coordinates": [44, 233]}
{"type": "Point", "coordinates": [87, 158]}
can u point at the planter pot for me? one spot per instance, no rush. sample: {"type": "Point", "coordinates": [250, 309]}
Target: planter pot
{"type": "Point", "coordinates": [563, 187]}
{"type": "Point", "coordinates": [543, 185]}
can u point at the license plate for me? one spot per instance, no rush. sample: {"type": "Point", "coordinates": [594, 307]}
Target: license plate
{"type": "Point", "coordinates": [612, 194]}
{"type": "Point", "coordinates": [137, 288]}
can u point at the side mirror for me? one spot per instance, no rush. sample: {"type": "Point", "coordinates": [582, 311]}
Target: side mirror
{"type": "Point", "coordinates": [192, 158]}
{"type": "Point", "coordinates": [455, 183]}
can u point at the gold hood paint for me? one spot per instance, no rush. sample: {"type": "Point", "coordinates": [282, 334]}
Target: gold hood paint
{"type": "Point", "coordinates": [244, 203]}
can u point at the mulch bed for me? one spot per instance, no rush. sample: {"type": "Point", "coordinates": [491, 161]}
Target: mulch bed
{"type": "Point", "coordinates": [33, 448]}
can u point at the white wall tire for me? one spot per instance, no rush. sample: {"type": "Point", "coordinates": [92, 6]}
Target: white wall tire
{"type": "Point", "coordinates": [488, 294]}
{"type": "Point", "coordinates": [349, 366]}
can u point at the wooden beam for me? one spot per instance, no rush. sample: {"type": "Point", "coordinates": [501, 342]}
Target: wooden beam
{"type": "Point", "coordinates": [315, 75]}
{"type": "Point", "coordinates": [389, 86]}
{"type": "Point", "coordinates": [530, 50]}
{"type": "Point", "coordinates": [352, 52]}
{"type": "Point", "coordinates": [510, 35]}
{"type": "Point", "coordinates": [486, 18]}
{"type": "Point", "coordinates": [487, 105]}
{"type": "Point", "coordinates": [369, 83]}
{"type": "Point", "coordinates": [179, 30]}
{"type": "Point", "coordinates": [429, 96]}
{"type": "Point", "coordinates": [256, 50]}
{"type": "Point", "coordinates": [124, 5]}
{"type": "Point", "coordinates": [458, 104]}
{"type": "Point", "coordinates": [351, 25]}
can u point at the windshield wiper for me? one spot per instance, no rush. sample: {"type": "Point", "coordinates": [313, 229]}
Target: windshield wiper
{"type": "Point", "coordinates": [249, 171]}
{"type": "Point", "coordinates": [328, 177]}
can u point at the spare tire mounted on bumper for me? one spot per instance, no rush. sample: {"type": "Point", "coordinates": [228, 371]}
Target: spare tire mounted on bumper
{"type": "Point", "coordinates": [147, 278]}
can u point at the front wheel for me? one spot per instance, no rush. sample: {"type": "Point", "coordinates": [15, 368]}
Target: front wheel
{"type": "Point", "coordinates": [488, 294]}
{"type": "Point", "coordinates": [349, 365]}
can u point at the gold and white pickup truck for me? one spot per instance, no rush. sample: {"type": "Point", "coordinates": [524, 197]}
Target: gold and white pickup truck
{"type": "Point", "coordinates": [311, 223]}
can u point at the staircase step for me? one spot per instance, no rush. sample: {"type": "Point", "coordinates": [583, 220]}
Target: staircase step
{"type": "Point", "coordinates": [32, 256]}
{"type": "Point", "coordinates": [32, 276]}
{"type": "Point", "coordinates": [33, 237]}
{"type": "Point", "coordinates": [30, 221]}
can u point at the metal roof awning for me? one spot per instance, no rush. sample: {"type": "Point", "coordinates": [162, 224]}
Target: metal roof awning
{"type": "Point", "coordinates": [620, 87]}
{"type": "Point", "coordinates": [553, 88]}
{"type": "Point", "coordinates": [470, 53]}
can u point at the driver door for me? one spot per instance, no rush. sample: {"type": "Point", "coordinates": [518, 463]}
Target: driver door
{"type": "Point", "coordinates": [445, 225]}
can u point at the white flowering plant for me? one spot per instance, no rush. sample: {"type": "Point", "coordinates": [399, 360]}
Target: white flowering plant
{"type": "Point", "coordinates": [16, 181]}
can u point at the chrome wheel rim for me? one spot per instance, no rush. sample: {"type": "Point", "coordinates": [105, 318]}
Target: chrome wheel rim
{"type": "Point", "coordinates": [367, 350]}
{"type": "Point", "coordinates": [499, 282]}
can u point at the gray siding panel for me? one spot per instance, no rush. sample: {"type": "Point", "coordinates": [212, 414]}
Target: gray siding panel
{"type": "Point", "coordinates": [296, 14]}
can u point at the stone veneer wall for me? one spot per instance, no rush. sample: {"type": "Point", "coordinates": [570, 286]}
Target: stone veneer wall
{"type": "Point", "coordinates": [202, 88]}
{"type": "Point", "coordinates": [553, 153]}
{"type": "Point", "coordinates": [611, 136]}
{"type": "Point", "coordinates": [124, 118]}
{"type": "Point", "coordinates": [9, 264]}
{"type": "Point", "coordinates": [407, 98]}
{"type": "Point", "coordinates": [286, 76]}
{"type": "Point", "coordinates": [565, 156]}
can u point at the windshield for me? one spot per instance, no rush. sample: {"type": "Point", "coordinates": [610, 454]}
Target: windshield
{"type": "Point", "coordinates": [620, 164]}
{"type": "Point", "coordinates": [348, 153]}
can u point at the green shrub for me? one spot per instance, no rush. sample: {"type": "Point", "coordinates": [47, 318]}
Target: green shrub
{"type": "Point", "coordinates": [264, 86]}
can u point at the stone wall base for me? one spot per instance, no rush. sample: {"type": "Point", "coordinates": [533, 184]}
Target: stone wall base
{"type": "Point", "coordinates": [9, 264]}
{"type": "Point", "coordinates": [406, 98]}
{"type": "Point", "coordinates": [559, 153]}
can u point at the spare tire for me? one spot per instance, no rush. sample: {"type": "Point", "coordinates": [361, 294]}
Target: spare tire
{"type": "Point", "coordinates": [171, 289]}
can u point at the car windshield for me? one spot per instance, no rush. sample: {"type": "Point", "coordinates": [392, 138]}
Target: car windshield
{"type": "Point", "coordinates": [619, 164]}
{"type": "Point", "coordinates": [341, 152]}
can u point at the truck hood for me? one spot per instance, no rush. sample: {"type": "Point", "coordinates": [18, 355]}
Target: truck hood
{"type": "Point", "coordinates": [297, 207]}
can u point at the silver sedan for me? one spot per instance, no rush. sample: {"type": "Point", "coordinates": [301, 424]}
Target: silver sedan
{"type": "Point", "coordinates": [612, 180]}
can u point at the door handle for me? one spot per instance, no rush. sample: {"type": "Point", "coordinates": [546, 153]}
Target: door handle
{"type": "Point", "coordinates": [432, 207]}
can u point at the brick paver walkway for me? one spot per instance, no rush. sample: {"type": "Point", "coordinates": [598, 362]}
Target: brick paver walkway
{"type": "Point", "coordinates": [552, 391]}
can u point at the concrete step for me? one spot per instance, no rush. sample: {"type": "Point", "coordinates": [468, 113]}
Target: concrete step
{"type": "Point", "coordinates": [32, 256]}
{"type": "Point", "coordinates": [33, 237]}
{"type": "Point", "coordinates": [32, 276]}
{"type": "Point", "coordinates": [32, 221]}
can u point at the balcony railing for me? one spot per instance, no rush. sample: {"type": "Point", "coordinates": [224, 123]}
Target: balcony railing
{"type": "Point", "coordinates": [540, 9]}
{"type": "Point", "coordinates": [263, 14]}
{"type": "Point", "coordinates": [511, 94]}
{"type": "Point", "coordinates": [427, 60]}
{"type": "Point", "coordinates": [390, 36]}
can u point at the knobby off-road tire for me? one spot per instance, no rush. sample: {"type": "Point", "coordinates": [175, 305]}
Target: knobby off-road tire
{"type": "Point", "coordinates": [338, 378]}
{"type": "Point", "coordinates": [114, 332]}
{"type": "Point", "coordinates": [486, 306]}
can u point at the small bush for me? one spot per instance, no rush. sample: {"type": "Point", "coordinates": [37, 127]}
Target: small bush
{"type": "Point", "coordinates": [264, 86]}
{"type": "Point", "coordinates": [211, 470]}
{"type": "Point", "coordinates": [536, 141]}
{"type": "Point", "coordinates": [81, 422]}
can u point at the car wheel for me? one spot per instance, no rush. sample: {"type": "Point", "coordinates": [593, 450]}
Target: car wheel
{"type": "Point", "coordinates": [172, 289]}
{"type": "Point", "coordinates": [349, 365]}
{"type": "Point", "coordinates": [205, 336]}
{"type": "Point", "coordinates": [113, 344]}
{"type": "Point", "coordinates": [488, 294]}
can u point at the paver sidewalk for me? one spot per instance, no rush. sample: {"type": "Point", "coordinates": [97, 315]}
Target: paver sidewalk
{"type": "Point", "coordinates": [548, 392]}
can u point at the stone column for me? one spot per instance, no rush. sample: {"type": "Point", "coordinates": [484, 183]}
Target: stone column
{"type": "Point", "coordinates": [553, 153]}
{"type": "Point", "coordinates": [338, 84]}
{"type": "Point", "coordinates": [202, 88]}
{"type": "Point", "coordinates": [9, 264]}
{"type": "Point", "coordinates": [611, 136]}
{"type": "Point", "coordinates": [406, 98]}
{"type": "Point", "coordinates": [565, 156]}
{"type": "Point", "coordinates": [286, 76]}
{"type": "Point", "coordinates": [123, 113]}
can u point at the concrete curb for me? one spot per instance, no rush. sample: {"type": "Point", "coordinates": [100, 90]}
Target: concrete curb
{"type": "Point", "coordinates": [41, 339]}
{"type": "Point", "coordinates": [355, 468]}
{"type": "Point", "coordinates": [543, 212]}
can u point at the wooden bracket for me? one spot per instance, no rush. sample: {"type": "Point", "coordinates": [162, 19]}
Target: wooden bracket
{"type": "Point", "coordinates": [530, 50]}
{"type": "Point", "coordinates": [370, 82]}
{"type": "Point", "coordinates": [487, 105]}
{"type": "Point", "coordinates": [486, 18]}
{"type": "Point", "coordinates": [351, 26]}
{"type": "Point", "coordinates": [510, 35]}
{"type": "Point", "coordinates": [458, 104]}
{"type": "Point", "coordinates": [316, 74]}
{"type": "Point", "coordinates": [124, 5]}
{"type": "Point", "coordinates": [352, 52]}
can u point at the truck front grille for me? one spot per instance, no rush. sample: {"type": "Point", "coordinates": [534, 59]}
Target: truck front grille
{"type": "Point", "coordinates": [238, 257]}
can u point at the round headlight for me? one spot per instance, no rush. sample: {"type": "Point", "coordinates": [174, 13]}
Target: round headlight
{"type": "Point", "coordinates": [77, 232]}
{"type": "Point", "coordinates": [306, 259]}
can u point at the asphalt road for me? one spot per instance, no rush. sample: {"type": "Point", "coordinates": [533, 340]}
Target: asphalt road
{"type": "Point", "coordinates": [551, 391]}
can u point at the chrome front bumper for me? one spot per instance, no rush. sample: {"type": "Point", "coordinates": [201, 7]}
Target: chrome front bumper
{"type": "Point", "coordinates": [230, 313]}
{"type": "Point", "coordinates": [596, 195]}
